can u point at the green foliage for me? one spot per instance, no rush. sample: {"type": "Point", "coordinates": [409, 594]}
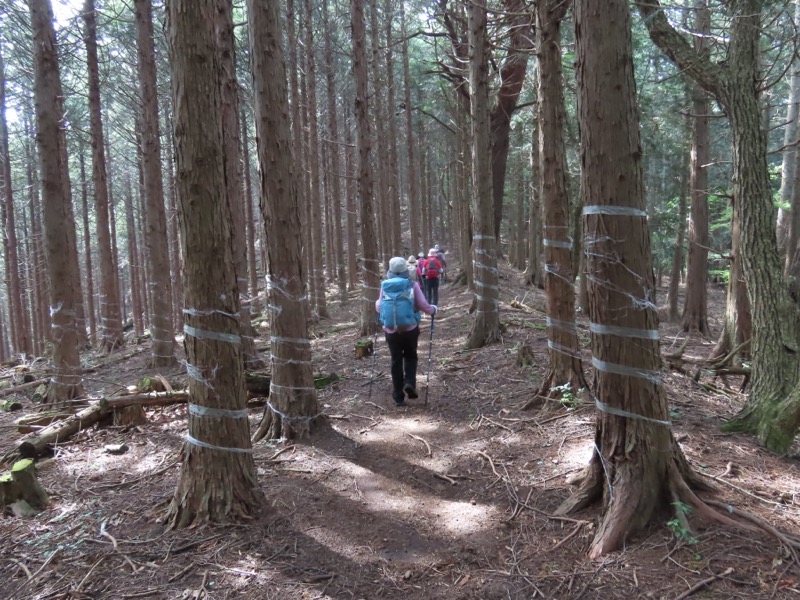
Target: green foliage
{"type": "Point", "coordinates": [568, 398]}
{"type": "Point", "coordinates": [679, 525]}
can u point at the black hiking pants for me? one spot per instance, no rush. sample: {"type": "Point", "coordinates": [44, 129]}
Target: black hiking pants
{"type": "Point", "coordinates": [403, 348]}
{"type": "Point", "coordinates": [432, 291]}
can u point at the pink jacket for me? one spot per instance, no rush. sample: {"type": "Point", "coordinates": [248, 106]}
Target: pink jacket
{"type": "Point", "coordinates": [420, 304]}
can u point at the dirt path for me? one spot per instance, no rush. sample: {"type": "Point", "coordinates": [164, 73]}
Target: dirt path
{"type": "Point", "coordinates": [448, 501]}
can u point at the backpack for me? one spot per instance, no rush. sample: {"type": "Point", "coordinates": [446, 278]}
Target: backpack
{"type": "Point", "coordinates": [421, 272]}
{"type": "Point", "coordinates": [432, 268]}
{"type": "Point", "coordinates": [397, 304]}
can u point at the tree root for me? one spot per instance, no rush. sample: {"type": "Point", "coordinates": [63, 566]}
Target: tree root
{"type": "Point", "coordinates": [630, 505]}
{"type": "Point", "coordinates": [791, 542]}
{"type": "Point", "coordinates": [559, 388]}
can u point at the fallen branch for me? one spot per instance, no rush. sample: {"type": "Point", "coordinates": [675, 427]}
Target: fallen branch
{"type": "Point", "coordinates": [701, 584]}
{"type": "Point", "coordinates": [792, 544]}
{"type": "Point", "coordinates": [22, 387]}
{"type": "Point", "coordinates": [445, 478]}
{"type": "Point", "coordinates": [416, 437]}
{"type": "Point", "coordinates": [146, 399]}
{"type": "Point", "coordinates": [35, 444]}
{"type": "Point", "coordinates": [491, 463]}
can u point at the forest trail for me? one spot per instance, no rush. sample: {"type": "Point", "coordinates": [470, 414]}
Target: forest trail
{"type": "Point", "coordinates": [449, 501]}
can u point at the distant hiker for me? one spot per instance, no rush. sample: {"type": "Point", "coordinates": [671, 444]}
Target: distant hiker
{"type": "Point", "coordinates": [440, 254]}
{"type": "Point", "coordinates": [423, 283]}
{"type": "Point", "coordinates": [431, 273]}
{"type": "Point", "coordinates": [411, 262]}
{"type": "Point", "coordinates": [399, 306]}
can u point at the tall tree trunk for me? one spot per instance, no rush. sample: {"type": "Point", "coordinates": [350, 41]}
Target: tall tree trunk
{"type": "Point", "coordinates": [218, 480]}
{"type": "Point", "coordinates": [320, 302]}
{"type": "Point", "coordinates": [637, 466]}
{"type": "Point", "coordinates": [36, 258]}
{"type": "Point", "coordinates": [255, 304]}
{"type": "Point", "coordinates": [677, 255]}
{"type": "Point", "coordinates": [512, 76]}
{"type": "Point", "coordinates": [465, 222]}
{"type": "Point", "coordinates": [787, 234]}
{"type": "Point", "coordinates": [411, 165]}
{"type": "Point", "coordinates": [734, 339]}
{"type": "Point", "coordinates": [87, 246]}
{"type": "Point", "coordinates": [385, 251]}
{"type": "Point", "coordinates": [159, 277]}
{"type": "Point", "coordinates": [333, 132]}
{"type": "Point", "coordinates": [565, 371]}
{"type": "Point", "coordinates": [695, 308]}
{"type": "Point", "coordinates": [173, 232]}
{"type": "Point", "coordinates": [292, 405]}
{"type": "Point", "coordinates": [233, 176]}
{"type": "Point", "coordinates": [111, 321]}
{"type": "Point", "coordinates": [352, 214]}
{"type": "Point", "coordinates": [20, 335]}
{"type": "Point", "coordinates": [534, 275]}
{"type": "Point", "coordinates": [40, 273]}
{"type": "Point", "coordinates": [62, 270]}
{"type": "Point", "coordinates": [393, 197]}
{"type": "Point", "coordinates": [486, 327]}
{"type": "Point", "coordinates": [370, 264]}
{"type": "Point", "coordinates": [304, 180]}
{"type": "Point", "coordinates": [134, 263]}
{"type": "Point", "coordinates": [772, 411]}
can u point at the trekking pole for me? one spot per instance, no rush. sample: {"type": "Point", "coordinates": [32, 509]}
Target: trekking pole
{"type": "Point", "coordinates": [374, 353]}
{"type": "Point", "coordinates": [430, 355]}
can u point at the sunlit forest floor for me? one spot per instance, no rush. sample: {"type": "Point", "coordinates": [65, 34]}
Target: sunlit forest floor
{"type": "Point", "coordinates": [453, 500]}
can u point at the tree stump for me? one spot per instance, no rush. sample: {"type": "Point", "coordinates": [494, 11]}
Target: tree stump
{"type": "Point", "coordinates": [130, 416]}
{"type": "Point", "coordinates": [20, 483]}
{"type": "Point", "coordinates": [525, 356]}
{"type": "Point", "coordinates": [364, 348]}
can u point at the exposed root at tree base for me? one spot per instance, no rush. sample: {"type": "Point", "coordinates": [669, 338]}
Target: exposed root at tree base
{"type": "Point", "coordinates": [631, 505]}
{"type": "Point", "coordinates": [555, 384]}
{"type": "Point", "coordinates": [273, 426]}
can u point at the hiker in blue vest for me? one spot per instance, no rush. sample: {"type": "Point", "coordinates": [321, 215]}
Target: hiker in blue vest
{"type": "Point", "coordinates": [399, 306]}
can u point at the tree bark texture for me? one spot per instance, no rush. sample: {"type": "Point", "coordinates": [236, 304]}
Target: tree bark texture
{"type": "Point", "coordinates": [233, 176]}
{"type": "Point", "coordinates": [87, 246]}
{"type": "Point", "coordinates": [371, 267]}
{"type": "Point", "coordinates": [292, 406]}
{"type": "Point", "coordinates": [252, 265]}
{"type": "Point", "coordinates": [61, 269]}
{"type": "Point", "coordinates": [316, 198]}
{"type": "Point", "coordinates": [787, 226]}
{"type": "Point", "coordinates": [110, 318]}
{"type": "Point", "coordinates": [677, 255]}
{"type": "Point", "coordinates": [159, 280]}
{"type": "Point", "coordinates": [486, 327]}
{"type": "Point", "coordinates": [134, 264]}
{"type": "Point", "coordinates": [534, 274]}
{"type": "Point", "coordinates": [411, 166]}
{"type": "Point", "coordinates": [695, 308]}
{"type": "Point", "coordinates": [393, 197]}
{"type": "Point", "coordinates": [335, 154]}
{"type": "Point", "coordinates": [566, 367]}
{"type": "Point", "coordinates": [218, 479]}
{"type": "Point", "coordinates": [20, 333]}
{"type": "Point", "coordinates": [637, 467]}
{"type": "Point", "coordinates": [512, 76]}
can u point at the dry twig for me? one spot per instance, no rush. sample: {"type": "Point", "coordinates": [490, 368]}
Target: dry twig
{"type": "Point", "coordinates": [416, 437]}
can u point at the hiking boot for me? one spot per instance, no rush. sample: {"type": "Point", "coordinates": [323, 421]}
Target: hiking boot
{"type": "Point", "coordinates": [400, 403]}
{"type": "Point", "coordinates": [410, 391]}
